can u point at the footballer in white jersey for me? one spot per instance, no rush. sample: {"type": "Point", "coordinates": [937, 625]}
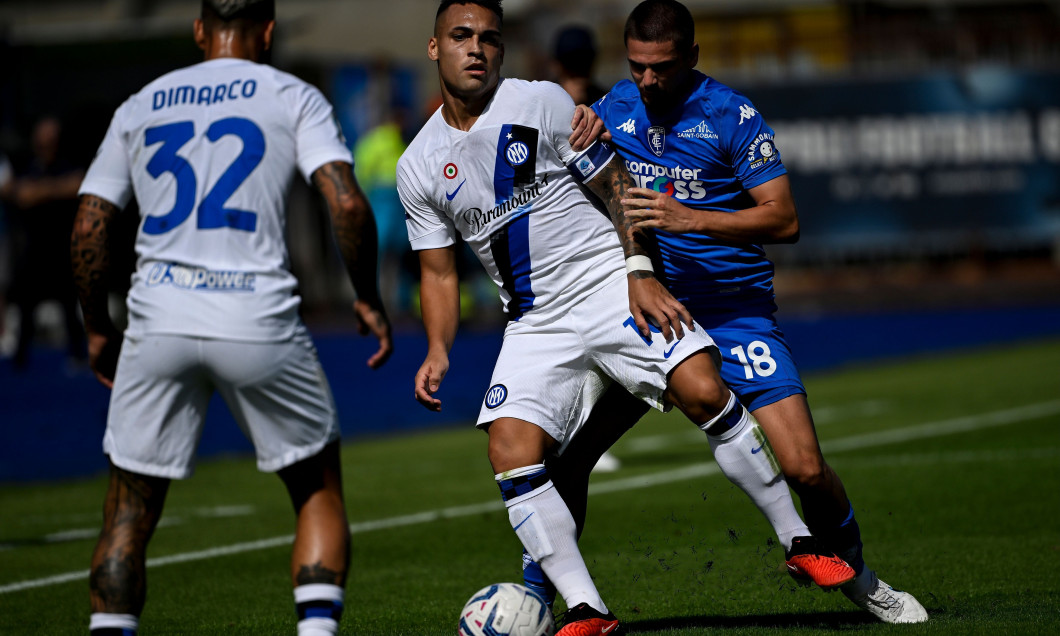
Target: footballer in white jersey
{"type": "Point", "coordinates": [209, 152]}
{"type": "Point", "coordinates": [505, 188]}
{"type": "Point", "coordinates": [573, 319]}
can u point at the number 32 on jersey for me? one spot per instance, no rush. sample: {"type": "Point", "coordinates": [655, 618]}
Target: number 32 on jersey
{"type": "Point", "coordinates": [211, 211]}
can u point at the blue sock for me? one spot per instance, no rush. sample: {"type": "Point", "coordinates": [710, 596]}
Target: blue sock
{"type": "Point", "coordinates": [319, 607]}
{"type": "Point", "coordinates": [535, 579]}
{"type": "Point", "coordinates": [845, 541]}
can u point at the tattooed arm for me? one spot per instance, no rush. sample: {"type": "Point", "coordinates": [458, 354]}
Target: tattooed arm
{"type": "Point", "coordinates": [90, 258]}
{"type": "Point", "coordinates": [649, 301]}
{"type": "Point", "coordinates": [354, 229]}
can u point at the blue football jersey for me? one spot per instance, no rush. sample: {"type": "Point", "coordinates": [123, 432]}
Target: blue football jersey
{"type": "Point", "coordinates": [706, 154]}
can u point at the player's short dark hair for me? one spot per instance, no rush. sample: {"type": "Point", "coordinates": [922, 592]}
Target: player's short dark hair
{"type": "Point", "coordinates": [661, 21]}
{"type": "Point", "coordinates": [575, 50]}
{"type": "Point", "coordinates": [231, 10]}
{"type": "Point", "coordinates": [492, 5]}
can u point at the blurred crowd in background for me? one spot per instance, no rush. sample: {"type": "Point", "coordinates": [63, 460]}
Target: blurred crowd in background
{"type": "Point", "coordinates": [922, 136]}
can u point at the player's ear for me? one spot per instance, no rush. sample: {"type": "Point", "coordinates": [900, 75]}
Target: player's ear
{"type": "Point", "coordinates": [199, 31]}
{"type": "Point", "coordinates": [432, 49]}
{"type": "Point", "coordinates": [267, 34]}
{"type": "Point", "coordinates": [693, 55]}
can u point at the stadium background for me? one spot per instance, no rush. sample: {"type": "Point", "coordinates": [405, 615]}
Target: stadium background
{"type": "Point", "coordinates": [923, 138]}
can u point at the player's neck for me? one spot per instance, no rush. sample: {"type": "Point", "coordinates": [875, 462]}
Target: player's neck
{"type": "Point", "coordinates": [238, 52]}
{"type": "Point", "coordinates": [234, 44]}
{"type": "Point", "coordinates": [462, 112]}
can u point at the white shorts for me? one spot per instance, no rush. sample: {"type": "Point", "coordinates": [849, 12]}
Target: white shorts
{"type": "Point", "coordinates": [276, 391]}
{"type": "Point", "coordinates": [551, 375]}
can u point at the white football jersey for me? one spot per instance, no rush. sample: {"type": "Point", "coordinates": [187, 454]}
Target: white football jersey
{"type": "Point", "coordinates": [209, 152]}
{"type": "Point", "coordinates": [505, 188]}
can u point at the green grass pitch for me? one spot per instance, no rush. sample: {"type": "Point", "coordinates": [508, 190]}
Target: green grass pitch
{"type": "Point", "coordinates": [952, 462]}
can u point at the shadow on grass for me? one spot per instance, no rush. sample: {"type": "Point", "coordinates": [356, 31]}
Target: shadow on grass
{"type": "Point", "coordinates": [829, 621]}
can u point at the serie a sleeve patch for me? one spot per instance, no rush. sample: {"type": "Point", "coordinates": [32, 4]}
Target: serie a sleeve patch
{"type": "Point", "coordinates": [591, 161]}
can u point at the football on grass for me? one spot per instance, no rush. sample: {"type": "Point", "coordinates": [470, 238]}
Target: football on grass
{"type": "Point", "coordinates": [506, 609]}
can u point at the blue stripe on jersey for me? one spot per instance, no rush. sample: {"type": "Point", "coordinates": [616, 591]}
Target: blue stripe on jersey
{"type": "Point", "coordinates": [503, 172]}
{"type": "Point", "coordinates": [515, 165]}
{"type": "Point", "coordinates": [510, 246]}
{"type": "Point", "coordinates": [519, 252]}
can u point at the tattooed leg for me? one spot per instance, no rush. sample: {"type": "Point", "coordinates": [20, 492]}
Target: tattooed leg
{"type": "Point", "coordinates": [321, 552]}
{"type": "Point", "coordinates": [130, 513]}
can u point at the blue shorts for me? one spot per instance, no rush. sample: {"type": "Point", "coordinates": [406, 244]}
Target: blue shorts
{"type": "Point", "coordinates": [757, 362]}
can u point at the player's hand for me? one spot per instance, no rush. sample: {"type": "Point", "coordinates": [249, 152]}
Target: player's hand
{"type": "Point", "coordinates": [371, 318]}
{"type": "Point", "coordinates": [650, 302]}
{"type": "Point", "coordinates": [648, 209]}
{"type": "Point", "coordinates": [103, 350]}
{"type": "Point", "coordinates": [429, 380]}
{"type": "Point", "coordinates": [587, 127]}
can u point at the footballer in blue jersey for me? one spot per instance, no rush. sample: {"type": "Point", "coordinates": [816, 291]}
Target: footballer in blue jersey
{"type": "Point", "coordinates": [712, 191]}
{"type": "Point", "coordinates": [709, 153]}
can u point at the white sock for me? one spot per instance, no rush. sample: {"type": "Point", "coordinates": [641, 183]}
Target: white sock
{"type": "Point", "coordinates": [319, 608]}
{"type": "Point", "coordinates": [546, 528]}
{"type": "Point", "coordinates": [101, 620]}
{"type": "Point", "coordinates": [743, 453]}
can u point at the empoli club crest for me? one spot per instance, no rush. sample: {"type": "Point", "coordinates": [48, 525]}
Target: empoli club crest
{"type": "Point", "coordinates": [657, 140]}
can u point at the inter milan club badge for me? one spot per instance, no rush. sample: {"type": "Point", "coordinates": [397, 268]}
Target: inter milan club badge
{"type": "Point", "coordinates": [657, 140]}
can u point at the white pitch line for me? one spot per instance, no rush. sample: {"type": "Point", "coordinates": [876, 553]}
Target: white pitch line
{"type": "Point", "coordinates": [821, 416]}
{"type": "Point", "coordinates": [945, 427]}
{"type": "Point", "coordinates": [931, 429]}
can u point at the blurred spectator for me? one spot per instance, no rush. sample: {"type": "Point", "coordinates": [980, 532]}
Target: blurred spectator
{"type": "Point", "coordinates": [375, 159]}
{"type": "Point", "coordinates": [574, 56]}
{"type": "Point", "coordinates": [7, 181]}
{"type": "Point", "coordinates": [43, 202]}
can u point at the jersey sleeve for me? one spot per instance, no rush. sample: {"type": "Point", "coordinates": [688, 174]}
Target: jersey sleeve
{"type": "Point", "coordinates": [109, 176]}
{"type": "Point", "coordinates": [319, 138]}
{"type": "Point", "coordinates": [600, 106]}
{"type": "Point", "coordinates": [428, 227]}
{"type": "Point", "coordinates": [749, 142]}
{"type": "Point", "coordinates": [558, 113]}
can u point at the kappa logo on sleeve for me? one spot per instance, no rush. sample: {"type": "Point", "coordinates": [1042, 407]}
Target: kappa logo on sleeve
{"type": "Point", "coordinates": [746, 112]}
